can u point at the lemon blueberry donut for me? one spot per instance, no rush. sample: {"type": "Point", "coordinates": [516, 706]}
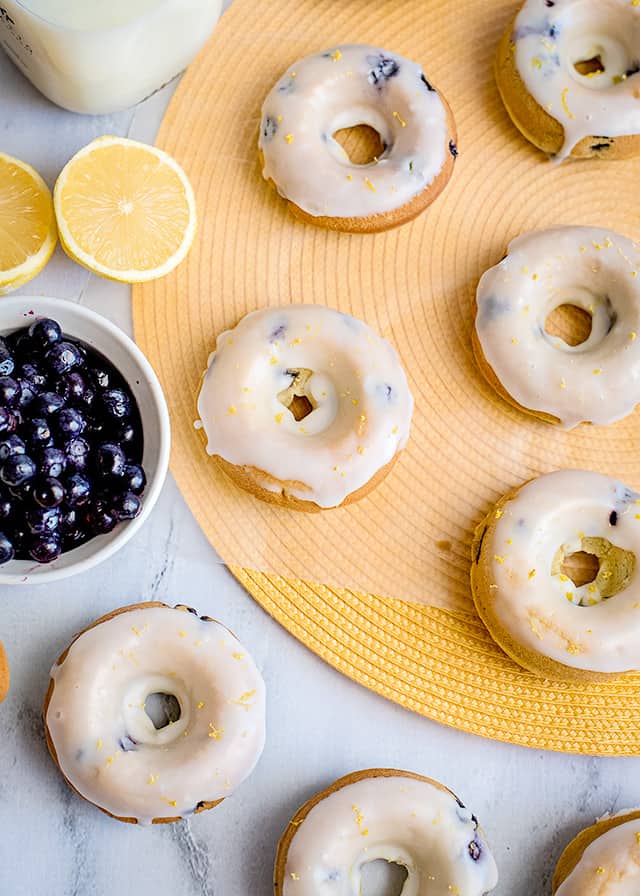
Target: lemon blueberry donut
{"type": "Point", "coordinates": [132, 765]}
{"type": "Point", "coordinates": [396, 816]}
{"type": "Point", "coordinates": [602, 859]}
{"type": "Point", "coordinates": [594, 269]}
{"type": "Point", "coordinates": [344, 87]}
{"type": "Point", "coordinates": [305, 406]}
{"type": "Point", "coordinates": [4, 674]}
{"type": "Point", "coordinates": [569, 75]}
{"type": "Point", "coordinates": [522, 587]}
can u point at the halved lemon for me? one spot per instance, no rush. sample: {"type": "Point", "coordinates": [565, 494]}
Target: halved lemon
{"type": "Point", "coordinates": [28, 232]}
{"type": "Point", "coordinates": [125, 210]}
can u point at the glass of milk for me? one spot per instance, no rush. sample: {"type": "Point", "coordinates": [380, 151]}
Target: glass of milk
{"type": "Point", "coordinates": [99, 56]}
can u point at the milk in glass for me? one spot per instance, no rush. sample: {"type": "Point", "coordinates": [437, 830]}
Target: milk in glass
{"type": "Point", "coordinates": [99, 56]}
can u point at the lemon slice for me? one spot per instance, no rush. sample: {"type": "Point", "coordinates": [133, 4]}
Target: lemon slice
{"type": "Point", "coordinates": [125, 210]}
{"type": "Point", "coordinates": [28, 232]}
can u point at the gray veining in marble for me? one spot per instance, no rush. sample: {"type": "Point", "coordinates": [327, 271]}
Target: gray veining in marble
{"type": "Point", "coordinates": [320, 725]}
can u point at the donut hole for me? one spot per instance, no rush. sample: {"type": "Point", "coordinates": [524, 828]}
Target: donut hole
{"type": "Point", "coordinates": [589, 67]}
{"type": "Point", "coordinates": [298, 397]}
{"type": "Point", "coordinates": [600, 50]}
{"type": "Point", "coordinates": [571, 323]}
{"type": "Point", "coordinates": [602, 566]}
{"type": "Point", "coordinates": [300, 407]}
{"type": "Point", "coordinates": [162, 709]}
{"type": "Point", "coordinates": [582, 568]}
{"type": "Point", "coordinates": [382, 878]}
{"type": "Point", "coordinates": [362, 144]}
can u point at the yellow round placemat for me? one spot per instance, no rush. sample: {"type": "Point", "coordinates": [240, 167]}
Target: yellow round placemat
{"type": "Point", "coordinates": [416, 284]}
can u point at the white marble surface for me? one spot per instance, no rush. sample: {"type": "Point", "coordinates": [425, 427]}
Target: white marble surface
{"type": "Point", "coordinates": [320, 725]}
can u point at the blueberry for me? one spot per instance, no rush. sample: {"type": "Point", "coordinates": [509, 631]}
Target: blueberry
{"type": "Point", "coordinates": [17, 469]}
{"type": "Point", "coordinates": [9, 392]}
{"type": "Point", "coordinates": [134, 478]}
{"type": "Point", "coordinates": [52, 462]}
{"type": "Point", "coordinates": [6, 507]}
{"type": "Point", "coordinates": [63, 356]}
{"type": "Point", "coordinates": [7, 364]}
{"type": "Point", "coordinates": [44, 333]}
{"type": "Point", "coordinates": [48, 492]}
{"type": "Point", "coordinates": [126, 506]}
{"type": "Point", "coordinates": [11, 445]}
{"type": "Point", "coordinates": [42, 520]}
{"type": "Point", "coordinates": [20, 535]}
{"type": "Point", "coordinates": [7, 551]}
{"type": "Point", "coordinates": [22, 492]}
{"type": "Point", "coordinates": [116, 404]}
{"type": "Point", "coordinates": [99, 519]}
{"type": "Point", "coordinates": [48, 403]}
{"type": "Point", "coordinates": [77, 452]}
{"type": "Point", "coordinates": [74, 538]}
{"type": "Point", "coordinates": [37, 433]}
{"type": "Point", "coordinates": [45, 548]}
{"type": "Point", "coordinates": [70, 423]}
{"type": "Point", "coordinates": [127, 435]}
{"type": "Point", "coordinates": [74, 387]}
{"type": "Point", "coordinates": [20, 345]}
{"type": "Point", "coordinates": [95, 426]}
{"type": "Point", "coordinates": [101, 377]}
{"type": "Point", "coordinates": [69, 520]}
{"type": "Point", "coordinates": [78, 490]}
{"type": "Point", "coordinates": [110, 460]}
{"type": "Point", "coordinates": [28, 392]}
{"type": "Point", "coordinates": [8, 421]}
{"type": "Point", "coordinates": [475, 850]}
{"type": "Point", "coordinates": [32, 372]}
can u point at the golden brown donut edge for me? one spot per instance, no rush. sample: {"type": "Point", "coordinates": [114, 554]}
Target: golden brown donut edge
{"type": "Point", "coordinates": [575, 850]}
{"type": "Point", "coordinates": [302, 813]}
{"type": "Point", "coordinates": [5, 675]}
{"type": "Point", "coordinates": [482, 552]}
{"type": "Point", "coordinates": [205, 805]}
{"type": "Point", "coordinates": [396, 217]}
{"type": "Point", "coordinates": [537, 125]}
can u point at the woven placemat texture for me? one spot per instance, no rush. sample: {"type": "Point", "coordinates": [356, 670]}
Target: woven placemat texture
{"type": "Point", "coordinates": [420, 644]}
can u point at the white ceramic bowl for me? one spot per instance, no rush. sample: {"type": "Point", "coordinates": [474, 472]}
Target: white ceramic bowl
{"type": "Point", "coordinates": [108, 339]}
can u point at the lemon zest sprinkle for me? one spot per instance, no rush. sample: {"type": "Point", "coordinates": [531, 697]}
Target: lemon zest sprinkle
{"type": "Point", "coordinates": [397, 115]}
{"type": "Point", "coordinates": [565, 105]}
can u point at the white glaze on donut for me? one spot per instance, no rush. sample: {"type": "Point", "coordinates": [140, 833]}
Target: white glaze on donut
{"type": "Point", "coordinates": [108, 747]}
{"type": "Point", "coordinates": [592, 268]}
{"type": "Point", "coordinates": [340, 88]}
{"type": "Point", "coordinates": [363, 404]}
{"type": "Point", "coordinates": [546, 611]}
{"type": "Point", "coordinates": [609, 866]}
{"type": "Point", "coordinates": [398, 819]}
{"type": "Point", "coordinates": [551, 37]}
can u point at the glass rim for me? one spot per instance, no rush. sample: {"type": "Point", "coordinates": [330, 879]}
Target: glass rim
{"type": "Point", "coordinates": [23, 4]}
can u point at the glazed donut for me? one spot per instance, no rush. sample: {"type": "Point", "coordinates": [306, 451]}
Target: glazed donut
{"type": "Point", "coordinates": [568, 74]}
{"type": "Point", "coordinates": [396, 816]}
{"type": "Point", "coordinates": [304, 406]}
{"type": "Point", "coordinates": [114, 755]}
{"type": "Point", "coordinates": [597, 381]}
{"type": "Point", "coordinates": [343, 87]}
{"type": "Point", "coordinates": [4, 674]}
{"type": "Point", "coordinates": [524, 594]}
{"type": "Point", "coordinates": [602, 859]}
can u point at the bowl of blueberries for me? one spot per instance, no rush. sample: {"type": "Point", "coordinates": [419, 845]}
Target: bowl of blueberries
{"type": "Point", "coordinates": [84, 439]}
